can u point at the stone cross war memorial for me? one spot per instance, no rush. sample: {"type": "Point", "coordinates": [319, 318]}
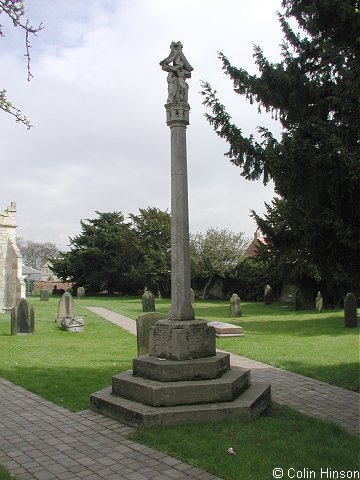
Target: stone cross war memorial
{"type": "Point", "coordinates": [182, 379]}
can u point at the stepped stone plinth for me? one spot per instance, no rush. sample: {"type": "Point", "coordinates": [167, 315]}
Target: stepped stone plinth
{"type": "Point", "coordinates": [247, 406]}
{"type": "Point", "coordinates": [161, 370]}
{"type": "Point", "coordinates": [160, 391]}
{"type": "Point", "coordinates": [185, 392]}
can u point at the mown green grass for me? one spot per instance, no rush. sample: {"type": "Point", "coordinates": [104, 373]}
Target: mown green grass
{"type": "Point", "coordinates": [64, 367]}
{"type": "Point", "coordinates": [5, 475]}
{"type": "Point", "coordinates": [314, 345]}
{"type": "Point", "coordinates": [282, 438]}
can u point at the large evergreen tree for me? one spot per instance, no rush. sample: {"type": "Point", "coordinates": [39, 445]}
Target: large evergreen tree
{"type": "Point", "coordinates": [153, 230]}
{"type": "Point", "coordinates": [314, 91]}
{"type": "Point", "coordinates": [103, 256]}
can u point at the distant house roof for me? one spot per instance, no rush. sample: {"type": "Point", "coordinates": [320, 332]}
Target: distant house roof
{"type": "Point", "coordinates": [252, 249]}
{"type": "Point", "coordinates": [31, 273]}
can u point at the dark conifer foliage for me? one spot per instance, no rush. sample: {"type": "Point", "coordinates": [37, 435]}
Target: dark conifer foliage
{"type": "Point", "coordinates": [314, 92]}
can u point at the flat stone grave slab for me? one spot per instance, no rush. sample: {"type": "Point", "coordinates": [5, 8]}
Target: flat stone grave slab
{"type": "Point", "coordinates": [227, 329]}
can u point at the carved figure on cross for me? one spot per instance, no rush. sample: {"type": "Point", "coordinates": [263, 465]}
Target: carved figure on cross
{"type": "Point", "coordinates": [179, 69]}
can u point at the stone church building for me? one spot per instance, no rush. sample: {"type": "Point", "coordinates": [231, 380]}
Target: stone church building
{"type": "Point", "coordinates": [12, 285]}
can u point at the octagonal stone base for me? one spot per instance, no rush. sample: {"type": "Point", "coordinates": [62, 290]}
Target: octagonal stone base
{"type": "Point", "coordinates": [172, 392]}
{"type": "Point", "coordinates": [180, 370]}
{"type": "Point", "coordinates": [247, 406]}
{"type": "Point", "coordinates": [165, 394]}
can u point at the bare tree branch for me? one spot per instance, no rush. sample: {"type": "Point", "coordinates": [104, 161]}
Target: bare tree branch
{"type": "Point", "coordinates": [14, 9]}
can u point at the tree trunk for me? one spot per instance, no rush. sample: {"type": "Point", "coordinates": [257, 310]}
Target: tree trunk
{"type": "Point", "coordinates": [207, 286]}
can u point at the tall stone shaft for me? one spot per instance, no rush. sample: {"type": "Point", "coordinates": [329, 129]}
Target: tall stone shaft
{"type": "Point", "coordinates": [177, 118]}
{"type": "Point", "coordinates": [181, 308]}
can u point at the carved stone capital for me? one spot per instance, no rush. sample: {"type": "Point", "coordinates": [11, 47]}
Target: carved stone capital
{"type": "Point", "coordinates": [177, 114]}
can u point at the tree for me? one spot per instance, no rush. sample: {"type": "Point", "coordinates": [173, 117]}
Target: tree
{"type": "Point", "coordinates": [103, 256]}
{"type": "Point", "coordinates": [14, 9]}
{"type": "Point", "coordinates": [153, 229]}
{"type": "Point", "coordinates": [214, 254]}
{"type": "Point", "coordinates": [35, 254]}
{"type": "Point", "coordinates": [314, 92]}
{"type": "Point", "coordinates": [249, 278]}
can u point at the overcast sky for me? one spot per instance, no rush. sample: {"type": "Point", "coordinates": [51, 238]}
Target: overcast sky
{"type": "Point", "coordinates": [100, 141]}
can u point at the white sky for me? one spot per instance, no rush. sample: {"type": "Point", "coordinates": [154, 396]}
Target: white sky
{"type": "Point", "coordinates": [100, 141]}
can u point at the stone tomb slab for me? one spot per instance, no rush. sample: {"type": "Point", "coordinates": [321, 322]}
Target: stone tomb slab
{"type": "Point", "coordinates": [227, 329]}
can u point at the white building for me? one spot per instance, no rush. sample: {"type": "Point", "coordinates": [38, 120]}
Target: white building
{"type": "Point", "coordinates": [47, 275]}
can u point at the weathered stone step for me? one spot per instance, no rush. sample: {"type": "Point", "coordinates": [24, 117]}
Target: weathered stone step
{"type": "Point", "coordinates": [181, 370]}
{"type": "Point", "coordinates": [155, 393]}
{"type": "Point", "coordinates": [248, 405]}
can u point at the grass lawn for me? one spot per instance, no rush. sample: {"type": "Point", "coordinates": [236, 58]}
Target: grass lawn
{"type": "Point", "coordinates": [65, 368]}
{"type": "Point", "coordinates": [314, 345]}
{"type": "Point", "coordinates": [5, 475]}
{"type": "Point", "coordinates": [282, 439]}
{"type": "Point", "coordinates": [62, 367]}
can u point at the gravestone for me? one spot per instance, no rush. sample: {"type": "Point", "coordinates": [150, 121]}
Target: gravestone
{"type": "Point", "coordinates": [268, 296]}
{"type": "Point", "coordinates": [22, 318]}
{"type": "Point", "coordinates": [235, 306]}
{"type": "Point", "coordinates": [66, 315]}
{"type": "Point", "coordinates": [80, 293]}
{"type": "Point", "coordinates": [148, 301]}
{"type": "Point", "coordinates": [44, 295]}
{"type": "Point", "coordinates": [318, 303]}
{"type": "Point", "coordinates": [66, 307]}
{"type": "Point", "coordinates": [350, 311]}
{"type": "Point", "coordinates": [72, 324]}
{"type": "Point", "coordinates": [143, 326]}
{"type": "Point", "coordinates": [192, 296]}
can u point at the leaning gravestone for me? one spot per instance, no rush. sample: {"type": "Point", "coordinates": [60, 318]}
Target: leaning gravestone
{"type": "Point", "coordinates": [66, 307]}
{"type": "Point", "coordinates": [268, 297]}
{"type": "Point", "coordinates": [350, 310]}
{"type": "Point", "coordinates": [66, 315]}
{"type": "Point", "coordinates": [318, 303]}
{"type": "Point", "coordinates": [143, 326]}
{"type": "Point", "coordinates": [80, 293]}
{"type": "Point", "coordinates": [148, 301]}
{"type": "Point", "coordinates": [235, 306]}
{"type": "Point", "coordinates": [22, 318]}
{"type": "Point", "coordinates": [44, 295]}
